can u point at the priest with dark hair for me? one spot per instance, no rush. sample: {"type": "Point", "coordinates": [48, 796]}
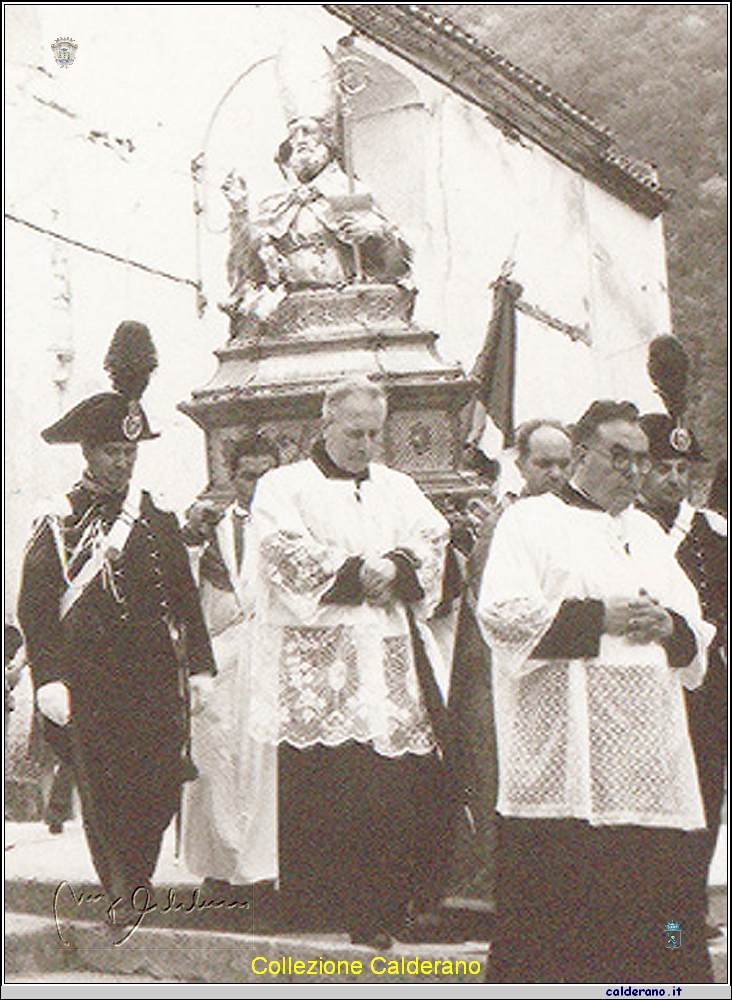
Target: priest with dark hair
{"type": "Point", "coordinates": [595, 634]}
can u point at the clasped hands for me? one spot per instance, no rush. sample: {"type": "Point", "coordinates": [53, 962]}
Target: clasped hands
{"type": "Point", "coordinates": [377, 579]}
{"type": "Point", "coordinates": [641, 620]}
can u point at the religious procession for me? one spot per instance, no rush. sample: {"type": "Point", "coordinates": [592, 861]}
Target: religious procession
{"type": "Point", "coordinates": [432, 648]}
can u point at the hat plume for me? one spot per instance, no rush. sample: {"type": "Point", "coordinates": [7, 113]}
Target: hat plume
{"type": "Point", "coordinates": [668, 368]}
{"type": "Point", "coordinates": [131, 359]}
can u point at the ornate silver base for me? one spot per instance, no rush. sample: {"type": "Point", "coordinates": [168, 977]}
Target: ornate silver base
{"type": "Point", "coordinates": [273, 376]}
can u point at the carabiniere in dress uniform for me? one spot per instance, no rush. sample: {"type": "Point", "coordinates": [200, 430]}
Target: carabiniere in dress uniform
{"type": "Point", "coordinates": [114, 630]}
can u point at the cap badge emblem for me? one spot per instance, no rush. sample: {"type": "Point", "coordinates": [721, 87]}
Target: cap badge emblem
{"type": "Point", "coordinates": [680, 439]}
{"type": "Point", "coordinates": [133, 424]}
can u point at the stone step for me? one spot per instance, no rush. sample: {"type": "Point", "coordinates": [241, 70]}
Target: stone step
{"type": "Point", "coordinates": [185, 944]}
{"type": "Point", "coordinates": [39, 950]}
{"type": "Point", "coordinates": [249, 910]}
{"type": "Point", "coordinates": [38, 946]}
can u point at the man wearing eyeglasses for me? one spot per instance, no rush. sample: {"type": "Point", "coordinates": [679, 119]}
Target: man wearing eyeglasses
{"type": "Point", "coordinates": [594, 632]}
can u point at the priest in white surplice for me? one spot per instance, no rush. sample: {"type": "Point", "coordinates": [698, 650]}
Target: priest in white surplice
{"type": "Point", "coordinates": [594, 632]}
{"type": "Point", "coordinates": [230, 812]}
{"type": "Point", "coordinates": [348, 551]}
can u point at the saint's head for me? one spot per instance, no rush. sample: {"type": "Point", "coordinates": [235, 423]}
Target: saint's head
{"type": "Point", "coordinates": [307, 150]}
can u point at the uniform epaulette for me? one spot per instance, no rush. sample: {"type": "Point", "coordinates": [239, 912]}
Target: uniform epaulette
{"type": "Point", "coordinates": [39, 523]}
{"type": "Point", "coordinates": [61, 508]}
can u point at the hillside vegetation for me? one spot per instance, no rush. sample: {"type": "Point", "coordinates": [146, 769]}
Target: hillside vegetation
{"type": "Point", "coordinates": [656, 74]}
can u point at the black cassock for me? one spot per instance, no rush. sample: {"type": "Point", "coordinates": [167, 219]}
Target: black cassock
{"type": "Point", "coordinates": [119, 650]}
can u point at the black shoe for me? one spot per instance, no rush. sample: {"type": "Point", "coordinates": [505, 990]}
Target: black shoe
{"type": "Point", "coordinates": [55, 827]}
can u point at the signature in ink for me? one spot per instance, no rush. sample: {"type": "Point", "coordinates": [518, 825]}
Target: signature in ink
{"type": "Point", "coordinates": [141, 902]}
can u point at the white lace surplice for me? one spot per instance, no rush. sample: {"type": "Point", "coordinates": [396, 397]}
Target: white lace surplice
{"type": "Point", "coordinates": [602, 739]}
{"type": "Point", "coordinates": [328, 673]}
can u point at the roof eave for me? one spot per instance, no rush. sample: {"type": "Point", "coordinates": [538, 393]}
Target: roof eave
{"type": "Point", "coordinates": [515, 101]}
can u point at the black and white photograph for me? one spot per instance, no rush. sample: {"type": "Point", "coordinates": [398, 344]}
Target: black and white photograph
{"type": "Point", "coordinates": [366, 439]}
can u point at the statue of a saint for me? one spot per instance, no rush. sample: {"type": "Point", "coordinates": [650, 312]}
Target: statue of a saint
{"type": "Point", "coordinates": [323, 232]}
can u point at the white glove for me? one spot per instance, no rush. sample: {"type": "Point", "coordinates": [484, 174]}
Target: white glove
{"type": "Point", "coordinates": [201, 687]}
{"type": "Point", "coordinates": [54, 702]}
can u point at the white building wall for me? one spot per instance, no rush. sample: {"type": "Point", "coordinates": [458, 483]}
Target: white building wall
{"type": "Point", "coordinates": [100, 153]}
{"type": "Point", "coordinates": [475, 200]}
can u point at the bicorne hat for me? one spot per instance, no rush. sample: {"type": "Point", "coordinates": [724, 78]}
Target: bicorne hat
{"type": "Point", "coordinates": [117, 415]}
{"type": "Point", "coordinates": [667, 433]}
{"type": "Point", "coordinates": [669, 440]}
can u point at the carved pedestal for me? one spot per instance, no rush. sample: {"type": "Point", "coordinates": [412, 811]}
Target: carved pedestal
{"type": "Point", "coordinates": [272, 375]}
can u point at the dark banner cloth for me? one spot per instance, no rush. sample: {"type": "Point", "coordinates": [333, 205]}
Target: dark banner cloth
{"type": "Point", "coordinates": [495, 367]}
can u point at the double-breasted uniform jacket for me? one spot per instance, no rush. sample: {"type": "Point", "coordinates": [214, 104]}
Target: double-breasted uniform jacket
{"type": "Point", "coordinates": [702, 555]}
{"type": "Point", "coordinates": [118, 646]}
{"type": "Point", "coordinates": [699, 538]}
